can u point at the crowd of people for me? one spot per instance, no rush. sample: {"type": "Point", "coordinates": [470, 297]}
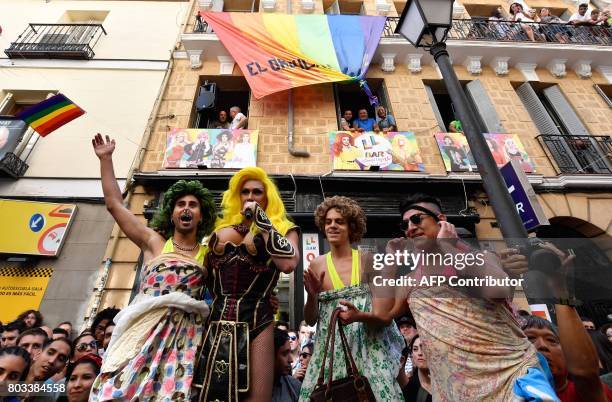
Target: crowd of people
{"type": "Point", "coordinates": [542, 26]}
{"type": "Point", "coordinates": [170, 344]}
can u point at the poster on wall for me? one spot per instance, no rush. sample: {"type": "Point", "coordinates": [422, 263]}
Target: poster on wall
{"type": "Point", "coordinates": [310, 248]}
{"type": "Point", "coordinates": [369, 150]}
{"type": "Point", "coordinates": [35, 228]}
{"type": "Point", "coordinates": [210, 148]}
{"type": "Point", "coordinates": [11, 131]}
{"type": "Point", "coordinates": [455, 152]}
{"type": "Point", "coordinates": [22, 288]}
{"type": "Point", "coordinates": [504, 148]}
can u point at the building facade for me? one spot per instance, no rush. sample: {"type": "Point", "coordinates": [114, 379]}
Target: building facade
{"type": "Point", "coordinates": [552, 94]}
{"type": "Point", "coordinates": [112, 59]}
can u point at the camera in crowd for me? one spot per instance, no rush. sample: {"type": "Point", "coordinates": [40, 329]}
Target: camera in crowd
{"type": "Point", "coordinates": [539, 258]}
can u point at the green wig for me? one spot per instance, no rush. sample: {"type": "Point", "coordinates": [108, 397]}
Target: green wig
{"type": "Point", "coordinates": [162, 223]}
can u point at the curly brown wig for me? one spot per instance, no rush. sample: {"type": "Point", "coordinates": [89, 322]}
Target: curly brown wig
{"type": "Point", "coordinates": [349, 209]}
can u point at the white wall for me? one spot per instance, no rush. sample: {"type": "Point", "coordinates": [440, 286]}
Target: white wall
{"type": "Point", "coordinates": [144, 30]}
{"type": "Point", "coordinates": [117, 102]}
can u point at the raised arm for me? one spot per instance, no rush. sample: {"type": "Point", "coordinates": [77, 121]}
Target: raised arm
{"type": "Point", "coordinates": [313, 282]}
{"type": "Point", "coordinates": [133, 228]}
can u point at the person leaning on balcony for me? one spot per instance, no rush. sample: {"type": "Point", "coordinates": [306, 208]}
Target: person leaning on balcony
{"type": "Point", "coordinates": [239, 120]}
{"type": "Point", "coordinates": [385, 121]}
{"type": "Point", "coordinates": [516, 9]}
{"type": "Point", "coordinates": [365, 122]}
{"type": "Point", "coordinates": [581, 17]}
{"type": "Point", "coordinates": [552, 32]}
{"type": "Point", "coordinates": [497, 18]}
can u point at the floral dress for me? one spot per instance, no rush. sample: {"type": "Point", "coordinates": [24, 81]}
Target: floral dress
{"type": "Point", "coordinates": [157, 352]}
{"type": "Point", "coordinates": [376, 352]}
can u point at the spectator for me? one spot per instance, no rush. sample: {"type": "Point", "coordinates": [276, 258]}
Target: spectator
{"type": "Point", "coordinates": [305, 334]}
{"type": "Point", "coordinates": [282, 325]}
{"type": "Point", "coordinates": [607, 331]}
{"type": "Point", "coordinates": [32, 340]}
{"type": "Point", "coordinates": [556, 31]}
{"type": "Point", "coordinates": [419, 385]}
{"type": "Point", "coordinates": [577, 359]}
{"type": "Point", "coordinates": [11, 333]}
{"type": "Point", "coordinates": [347, 120]}
{"type": "Point", "coordinates": [82, 345]}
{"type": "Point", "coordinates": [364, 122]}
{"type": "Point", "coordinates": [385, 121]}
{"type": "Point", "coordinates": [455, 126]}
{"type": "Point", "coordinates": [31, 318]}
{"type": "Point", "coordinates": [407, 327]}
{"type": "Point", "coordinates": [67, 326]}
{"type": "Point", "coordinates": [52, 360]}
{"type": "Point", "coordinates": [14, 364]}
{"type": "Point", "coordinates": [580, 18]}
{"type": "Point", "coordinates": [304, 358]}
{"type": "Point", "coordinates": [286, 388]}
{"type": "Point", "coordinates": [497, 16]}
{"type": "Point", "coordinates": [604, 351]}
{"type": "Point", "coordinates": [516, 9]}
{"type": "Point", "coordinates": [102, 319]}
{"type": "Point", "coordinates": [47, 330]}
{"type": "Point", "coordinates": [221, 122]}
{"type": "Point", "coordinates": [81, 376]}
{"type": "Point", "coordinates": [60, 333]}
{"type": "Point", "coordinates": [294, 342]}
{"type": "Point", "coordinates": [588, 323]}
{"type": "Point", "coordinates": [108, 334]}
{"type": "Point", "coordinates": [239, 120]}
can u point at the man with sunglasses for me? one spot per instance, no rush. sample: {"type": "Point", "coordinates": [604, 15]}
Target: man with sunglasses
{"type": "Point", "coordinates": [467, 331]}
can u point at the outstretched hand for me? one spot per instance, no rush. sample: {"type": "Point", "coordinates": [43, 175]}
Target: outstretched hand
{"type": "Point", "coordinates": [103, 149]}
{"type": "Point", "coordinates": [313, 282]}
{"type": "Point", "coordinates": [349, 313]}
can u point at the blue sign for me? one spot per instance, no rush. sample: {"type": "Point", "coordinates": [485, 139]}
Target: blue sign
{"type": "Point", "coordinates": [522, 194]}
{"type": "Point", "coordinates": [37, 222]}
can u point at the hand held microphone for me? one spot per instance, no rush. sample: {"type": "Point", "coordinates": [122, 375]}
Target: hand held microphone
{"type": "Point", "coordinates": [248, 214]}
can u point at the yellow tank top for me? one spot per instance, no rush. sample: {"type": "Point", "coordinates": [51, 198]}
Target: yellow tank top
{"type": "Point", "coordinates": [333, 274]}
{"type": "Point", "coordinates": [199, 257]}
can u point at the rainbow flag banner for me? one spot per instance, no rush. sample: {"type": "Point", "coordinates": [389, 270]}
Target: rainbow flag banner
{"type": "Point", "coordinates": [50, 114]}
{"type": "Point", "coordinates": [277, 52]}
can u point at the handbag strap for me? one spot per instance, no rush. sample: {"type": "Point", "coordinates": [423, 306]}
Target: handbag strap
{"type": "Point", "coordinates": [330, 337]}
{"type": "Point", "coordinates": [351, 367]}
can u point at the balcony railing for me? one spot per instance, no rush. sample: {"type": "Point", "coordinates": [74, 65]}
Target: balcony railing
{"type": "Point", "coordinates": [507, 31]}
{"type": "Point", "coordinates": [56, 41]}
{"type": "Point", "coordinates": [12, 165]}
{"type": "Point", "coordinates": [580, 153]}
{"type": "Point", "coordinates": [201, 26]}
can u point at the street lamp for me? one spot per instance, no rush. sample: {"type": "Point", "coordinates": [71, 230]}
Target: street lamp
{"type": "Point", "coordinates": [425, 23]}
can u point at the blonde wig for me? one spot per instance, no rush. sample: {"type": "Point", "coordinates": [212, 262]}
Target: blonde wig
{"type": "Point", "coordinates": [232, 206]}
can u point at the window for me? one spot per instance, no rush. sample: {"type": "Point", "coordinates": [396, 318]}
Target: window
{"type": "Point", "coordinates": [223, 93]}
{"type": "Point", "coordinates": [351, 97]}
{"type": "Point", "coordinates": [443, 108]}
{"type": "Point", "coordinates": [345, 7]}
{"type": "Point", "coordinates": [14, 101]}
{"type": "Point", "coordinates": [241, 6]}
{"type": "Point", "coordinates": [84, 17]}
{"type": "Point", "coordinates": [605, 91]}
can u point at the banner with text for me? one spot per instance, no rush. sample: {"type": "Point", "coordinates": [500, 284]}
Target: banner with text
{"type": "Point", "coordinates": [22, 288]}
{"type": "Point", "coordinates": [375, 151]}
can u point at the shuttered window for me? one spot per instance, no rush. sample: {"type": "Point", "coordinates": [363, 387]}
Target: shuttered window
{"type": "Point", "coordinates": [537, 111]}
{"type": "Point", "coordinates": [434, 106]}
{"type": "Point", "coordinates": [602, 92]}
{"type": "Point", "coordinates": [565, 111]}
{"type": "Point", "coordinates": [481, 101]}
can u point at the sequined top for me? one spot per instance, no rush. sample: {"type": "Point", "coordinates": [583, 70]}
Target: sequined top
{"type": "Point", "coordinates": [242, 279]}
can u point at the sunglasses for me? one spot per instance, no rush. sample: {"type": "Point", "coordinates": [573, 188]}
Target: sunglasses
{"type": "Point", "coordinates": [304, 355]}
{"type": "Point", "coordinates": [292, 337]}
{"type": "Point", "coordinates": [415, 219]}
{"type": "Point", "coordinates": [81, 347]}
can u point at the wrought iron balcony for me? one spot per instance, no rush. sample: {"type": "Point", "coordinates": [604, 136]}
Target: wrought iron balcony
{"type": "Point", "coordinates": [507, 31]}
{"type": "Point", "coordinates": [201, 26]}
{"type": "Point", "coordinates": [12, 165]}
{"type": "Point", "coordinates": [56, 41]}
{"type": "Point", "coordinates": [577, 154]}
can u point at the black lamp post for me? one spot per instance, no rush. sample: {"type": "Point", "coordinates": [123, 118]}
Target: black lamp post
{"type": "Point", "coordinates": [425, 23]}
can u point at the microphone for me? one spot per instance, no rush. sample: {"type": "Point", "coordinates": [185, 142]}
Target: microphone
{"type": "Point", "coordinates": [248, 214]}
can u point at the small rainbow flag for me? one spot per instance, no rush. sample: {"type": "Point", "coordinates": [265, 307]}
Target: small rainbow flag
{"type": "Point", "coordinates": [50, 114]}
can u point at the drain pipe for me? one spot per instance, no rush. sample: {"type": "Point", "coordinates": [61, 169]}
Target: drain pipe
{"type": "Point", "coordinates": [290, 144]}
